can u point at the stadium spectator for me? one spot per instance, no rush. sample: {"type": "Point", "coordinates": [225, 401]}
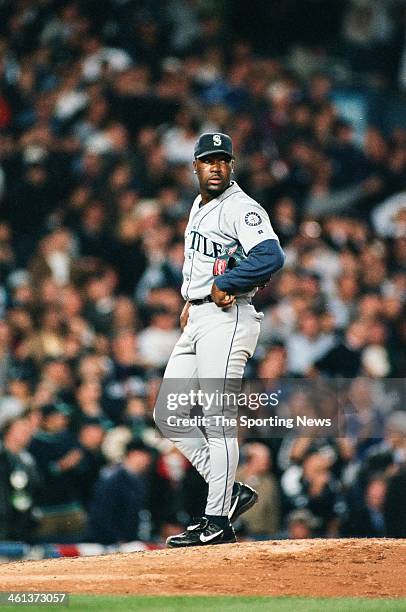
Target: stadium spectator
{"type": "Point", "coordinates": [395, 505]}
{"type": "Point", "coordinates": [344, 359]}
{"type": "Point", "coordinates": [20, 483]}
{"type": "Point", "coordinates": [391, 451]}
{"type": "Point", "coordinates": [90, 436]}
{"type": "Point", "coordinates": [368, 520]}
{"type": "Point", "coordinates": [158, 339]}
{"type": "Point", "coordinates": [364, 423]}
{"type": "Point", "coordinates": [308, 344]}
{"type": "Point", "coordinates": [137, 418]}
{"type": "Point", "coordinates": [121, 497]}
{"type": "Point", "coordinates": [58, 456]}
{"type": "Point", "coordinates": [16, 397]}
{"type": "Point", "coordinates": [264, 518]}
{"type": "Point", "coordinates": [301, 524]}
{"type": "Point", "coordinates": [314, 487]}
{"type": "Point", "coordinates": [88, 404]}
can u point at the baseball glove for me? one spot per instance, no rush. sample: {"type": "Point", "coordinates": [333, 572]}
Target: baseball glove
{"type": "Point", "coordinates": [231, 260]}
{"type": "Point", "coordinates": [228, 261]}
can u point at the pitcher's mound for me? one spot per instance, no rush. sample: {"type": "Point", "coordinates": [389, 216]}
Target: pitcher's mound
{"type": "Point", "coordinates": [353, 568]}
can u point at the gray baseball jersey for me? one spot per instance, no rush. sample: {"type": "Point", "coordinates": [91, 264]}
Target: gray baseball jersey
{"type": "Point", "coordinates": [216, 342]}
{"type": "Point", "coordinates": [231, 219]}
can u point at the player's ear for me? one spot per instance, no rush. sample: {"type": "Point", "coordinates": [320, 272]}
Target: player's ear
{"type": "Point", "coordinates": [194, 167]}
{"type": "Point", "coordinates": [232, 165]}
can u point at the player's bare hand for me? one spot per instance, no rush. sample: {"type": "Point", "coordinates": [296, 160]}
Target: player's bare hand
{"type": "Point", "coordinates": [184, 316]}
{"type": "Point", "coordinates": [222, 299]}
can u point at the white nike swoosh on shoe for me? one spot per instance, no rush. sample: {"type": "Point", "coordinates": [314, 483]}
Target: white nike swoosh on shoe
{"type": "Point", "coordinates": [230, 514]}
{"type": "Point", "coordinates": [205, 539]}
{"type": "Point", "coordinates": [192, 527]}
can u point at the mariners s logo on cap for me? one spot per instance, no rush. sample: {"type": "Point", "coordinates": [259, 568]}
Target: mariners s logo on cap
{"type": "Point", "coordinates": [214, 143]}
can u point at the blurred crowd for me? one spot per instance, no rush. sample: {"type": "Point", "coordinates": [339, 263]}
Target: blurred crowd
{"type": "Point", "coordinates": [100, 108]}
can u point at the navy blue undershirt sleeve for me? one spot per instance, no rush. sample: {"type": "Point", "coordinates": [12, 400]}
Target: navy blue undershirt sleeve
{"type": "Point", "coordinates": [263, 260]}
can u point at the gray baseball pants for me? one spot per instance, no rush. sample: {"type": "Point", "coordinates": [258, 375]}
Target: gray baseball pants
{"type": "Point", "coordinates": [215, 346]}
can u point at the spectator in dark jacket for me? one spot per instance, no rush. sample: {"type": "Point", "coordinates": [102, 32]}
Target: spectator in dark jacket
{"type": "Point", "coordinates": [58, 455]}
{"type": "Point", "coordinates": [315, 488]}
{"type": "Point", "coordinates": [344, 359]}
{"type": "Point", "coordinates": [90, 436]}
{"type": "Point", "coordinates": [368, 521]}
{"type": "Point", "coordinates": [395, 505]}
{"type": "Point", "coordinates": [121, 497]}
{"type": "Point", "coordinates": [389, 454]}
{"type": "Point", "coordinates": [19, 482]}
{"type": "Point", "coordinates": [27, 208]}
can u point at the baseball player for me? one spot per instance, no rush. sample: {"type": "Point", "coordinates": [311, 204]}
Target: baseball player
{"type": "Point", "coordinates": [220, 327]}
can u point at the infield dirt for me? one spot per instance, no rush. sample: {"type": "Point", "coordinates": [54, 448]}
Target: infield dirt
{"type": "Point", "coordinates": [352, 568]}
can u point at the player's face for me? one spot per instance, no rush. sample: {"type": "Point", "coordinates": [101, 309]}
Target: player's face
{"type": "Point", "coordinates": [213, 172]}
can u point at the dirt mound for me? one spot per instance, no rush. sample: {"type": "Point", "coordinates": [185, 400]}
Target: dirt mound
{"type": "Point", "coordinates": [354, 568]}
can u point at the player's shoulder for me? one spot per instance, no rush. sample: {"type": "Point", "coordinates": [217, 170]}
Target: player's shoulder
{"type": "Point", "coordinates": [241, 205]}
{"type": "Point", "coordinates": [239, 199]}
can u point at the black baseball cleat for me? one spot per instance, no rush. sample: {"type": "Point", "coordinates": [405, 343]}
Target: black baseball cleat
{"type": "Point", "coordinates": [242, 499]}
{"type": "Point", "coordinates": [201, 533]}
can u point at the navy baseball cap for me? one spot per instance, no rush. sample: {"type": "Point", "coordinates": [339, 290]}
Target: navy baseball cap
{"type": "Point", "coordinates": [213, 143]}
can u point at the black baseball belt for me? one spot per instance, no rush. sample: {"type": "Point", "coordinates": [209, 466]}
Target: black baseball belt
{"type": "Point", "coordinates": [208, 298]}
{"type": "Point", "coordinates": [204, 300]}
